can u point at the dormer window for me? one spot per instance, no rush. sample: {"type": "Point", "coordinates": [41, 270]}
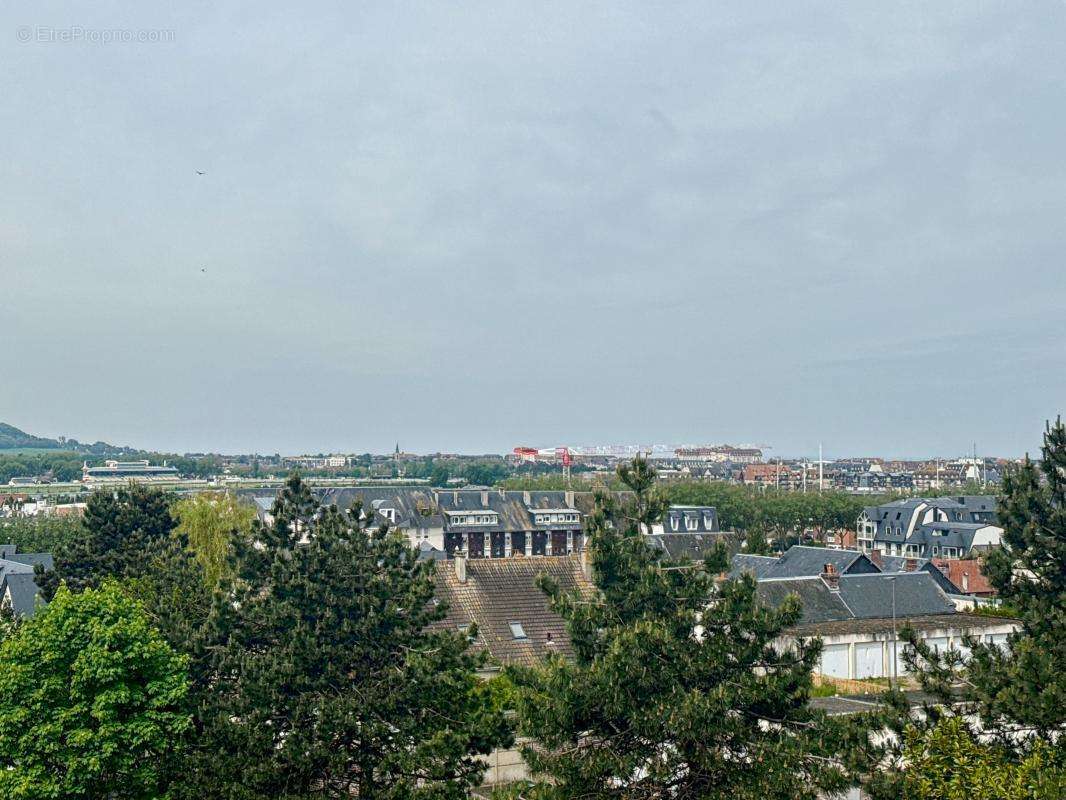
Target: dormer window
{"type": "Point", "coordinates": [674, 523]}
{"type": "Point", "coordinates": [692, 523]}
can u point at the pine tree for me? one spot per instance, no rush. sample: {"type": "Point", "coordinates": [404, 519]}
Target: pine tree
{"type": "Point", "coordinates": [677, 689]}
{"type": "Point", "coordinates": [119, 527]}
{"type": "Point", "coordinates": [328, 676]}
{"type": "Point", "coordinates": [1010, 698]}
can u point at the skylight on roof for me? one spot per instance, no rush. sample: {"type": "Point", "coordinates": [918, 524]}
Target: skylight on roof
{"type": "Point", "coordinates": [517, 631]}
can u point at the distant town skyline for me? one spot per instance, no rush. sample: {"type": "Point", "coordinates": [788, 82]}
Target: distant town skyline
{"type": "Point", "coordinates": [769, 452]}
{"type": "Point", "coordinates": [295, 229]}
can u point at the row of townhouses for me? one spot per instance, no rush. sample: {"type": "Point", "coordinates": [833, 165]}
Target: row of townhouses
{"type": "Point", "coordinates": [496, 523]}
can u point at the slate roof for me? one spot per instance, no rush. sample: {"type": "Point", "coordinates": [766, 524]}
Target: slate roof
{"type": "Point", "coordinates": [917, 594]}
{"type": "Point", "coordinates": [32, 559]}
{"type": "Point", "coordinates": [9, 566]}
{"type": "Point", "coordinates": [420, 508]}
{"type": "Point", "coordinates": [756, 566]}
{"type": "Point", "coordinates": [499, 591]}
{"type": "Point", "coordinates": [16, 577]}
{"type": "Point", "coordinates": [860, 596]}
{"type": "Point", "coordinates": [691, 546]}
{"type": "Point", "coordinates": [427, 552]}
{"type": "Point", "coordinates": [819, 604]}
{"type": "Point", "coordinates": [21, 591]}
{"type": "Point", "coordinates": [678, 519]}
{"type": "Point", "coordinates": [801, 561]}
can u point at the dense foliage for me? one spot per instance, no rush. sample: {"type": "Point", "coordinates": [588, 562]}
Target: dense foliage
{"type": "Point", "coordinates": [327, 678]}
{"type": "Point", "coordinates": [209, 522]}
{"type": "Point", "coordinates": [91, 702]}
{"type": "Point", "coordinates": [947, 762]}
{"type": "Point", "coordinates": [61, 464]}
{"type": "Point", "coordinates": [677, 689]}
{"type": "Point", "coordinates": [1010, 699]}
{"type": "Point", "coordinates": [44, 533]}
{"type": "Point", "coordinates": [119, 527]}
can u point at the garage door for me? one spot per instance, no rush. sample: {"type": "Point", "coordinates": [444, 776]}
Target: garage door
{"type": "Point", "coordinates": [901, 665]}
{"type": "Point", "coordinates": [938, 643]}
{"type": "Point", "coordinates": [835, 661]}
{"type": "Point", "coordinates": [868, 660]}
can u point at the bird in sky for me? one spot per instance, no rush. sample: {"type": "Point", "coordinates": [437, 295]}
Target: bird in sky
{"type": "Point", "coordinates": [203, 269]}
{"type": "Point", "coordinates": [200, 173]}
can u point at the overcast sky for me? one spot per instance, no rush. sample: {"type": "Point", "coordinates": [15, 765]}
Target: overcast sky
{"type": "Point", "coordinates": [469, 226]}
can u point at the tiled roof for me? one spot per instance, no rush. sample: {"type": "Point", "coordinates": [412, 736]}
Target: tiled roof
{"type": "Point", "coordinates": [500, 591]}
{"type": "Point", "coordinates": [965, 575]}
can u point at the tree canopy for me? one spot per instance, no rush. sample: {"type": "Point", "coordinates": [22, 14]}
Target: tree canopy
{"type": "Point", "coordinates": [91, 702]}
{"type": "Point", "coordinates": [677, 688]}
{"type": "Point", "coordinates": [1006, 703]}
{"type": "Point", "coordinates": [209, 521]}
{"type": "Point", "coordinates": [329, 677]}
{"type": "Point", "coordinates": [119, 527]}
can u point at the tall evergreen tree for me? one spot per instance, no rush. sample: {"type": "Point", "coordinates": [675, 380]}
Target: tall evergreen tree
{"type": "Point", "coordinates": [677, 689]}
{"type": "Point", "coordinates": [119, 527]}
{"type": "Point", "coordinates": [328, 676]}
{"type": "Point", "coordinates": [1010, 698]}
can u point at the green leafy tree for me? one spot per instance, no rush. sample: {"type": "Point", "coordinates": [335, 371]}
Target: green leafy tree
{"type": "Point", "coordinates": [330, 679]}
{"type": "Point", "coordinates": [1012, 697]}
{"type": "Point", "coordinates": [946, 762]}
{"type": "Point", "coordinates": [209, 522]}
{"type": "Point", "coordinates": [676, 689]}
{"type": "Point", "coordinates": [44, 533]}
{"type": "Point", "coordinates": [119, 527]}
{"type": "Point", "coordinates": [756, 544]}
{"type": "Point", "coordinates": [439, 475]}
{"type": "Point", "coordinates": [91, 702]}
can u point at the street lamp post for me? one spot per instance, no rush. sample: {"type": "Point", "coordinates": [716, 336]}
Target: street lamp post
{"type": "Point", "coordinates": [895, 636]}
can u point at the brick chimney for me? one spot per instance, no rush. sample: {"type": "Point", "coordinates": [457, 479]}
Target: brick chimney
{"type": "Point", "coordinates": [875, 557]}
{"type": "Point", "coordinates": [485, 498]}
{"type": "Point", "coordinates": [569, 499]}
{"type": "Point", "coordinates": [831, 577]}
{"type": "Point", "coordinates": [460, 566]}
{"type": "Point", "coordinates": [910, 565]}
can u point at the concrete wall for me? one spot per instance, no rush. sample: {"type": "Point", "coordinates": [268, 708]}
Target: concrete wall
{"type": "Point", "coordinates": [857, 656]}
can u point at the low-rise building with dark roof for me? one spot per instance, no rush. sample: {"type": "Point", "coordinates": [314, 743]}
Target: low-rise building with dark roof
{"type": "Point", "coordinates": [858, 618]}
